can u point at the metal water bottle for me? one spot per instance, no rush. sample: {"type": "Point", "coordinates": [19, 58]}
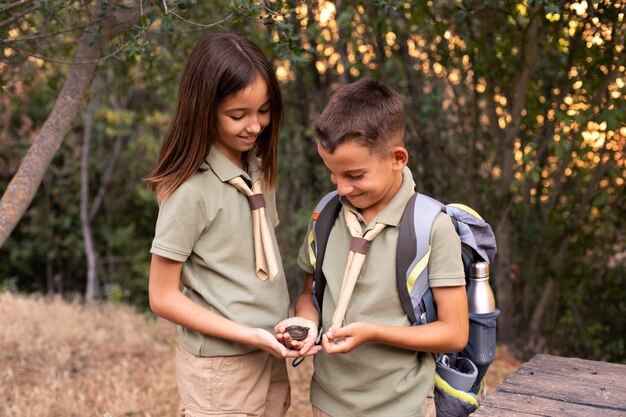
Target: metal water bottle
{"type": "Point", "coordinates": [480, 296]}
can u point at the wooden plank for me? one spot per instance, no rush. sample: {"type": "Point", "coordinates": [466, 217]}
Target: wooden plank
{"type": "Point", "coordinates": [593, 371]}
{"type": "Point", "coordinates": [556, 386]}
{"type": "Point", "coordinates": [573, 381]}
{"type": "Point", "coordinates": [508, 404]}
{"type": "Point", "coordinates": [567, 390]}
{"type": "Point", "coordinates": [500, 412]}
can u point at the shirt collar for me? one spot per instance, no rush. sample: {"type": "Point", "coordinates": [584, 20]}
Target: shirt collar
{"type": "Point", "coordinates": [225, 170]}
{"type": "Point", "coordinates": [391, 214]}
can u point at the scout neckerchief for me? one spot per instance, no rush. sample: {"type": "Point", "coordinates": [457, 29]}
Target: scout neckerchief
{"type": "Point", "coordinates": [266, 266]}
{"type": "Point", "coordinates": [358, 249]}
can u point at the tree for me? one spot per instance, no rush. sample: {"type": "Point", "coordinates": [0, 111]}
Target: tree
{"type": "Point", "coordinates": [111, 37]}
{"type": "Point", "coordinates": [107, 20]}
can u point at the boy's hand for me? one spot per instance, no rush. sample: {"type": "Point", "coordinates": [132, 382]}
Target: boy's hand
{"type": "Point", "coordinates": [305, 347]}
{"type": "Point", "coordinates": [346, 339]}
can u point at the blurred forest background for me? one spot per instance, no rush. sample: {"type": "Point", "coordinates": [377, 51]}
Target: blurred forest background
{"type": "Point", "coordinates": [516, 108]}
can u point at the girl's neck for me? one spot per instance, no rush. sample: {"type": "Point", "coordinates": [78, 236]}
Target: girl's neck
{"type": "Point", "coordinates": [240, 159]}
{"type": "Point", "coordinates": [244, 163]}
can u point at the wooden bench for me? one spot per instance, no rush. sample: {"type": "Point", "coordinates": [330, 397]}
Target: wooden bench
{"type": "Point", "coordinates": [556, 386]}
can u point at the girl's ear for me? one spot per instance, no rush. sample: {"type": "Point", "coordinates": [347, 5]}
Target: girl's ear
{"type": "Point", "coordinates": [400, 157]}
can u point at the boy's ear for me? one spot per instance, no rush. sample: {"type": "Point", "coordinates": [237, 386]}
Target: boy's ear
{"type": "Point", "coordinates": [400, 157]}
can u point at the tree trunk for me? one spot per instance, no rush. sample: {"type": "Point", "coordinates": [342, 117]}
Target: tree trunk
{"type": "Point", "coordinates": [505, 272]}
{"type": "Point", "coordinates": [89, 211]}
{"type": "Point", "coordinates": [23, 187]}
{"type": "Point", "coordinates": [91, 253]}
{"type": "Point", "coordinates": [503, 281]}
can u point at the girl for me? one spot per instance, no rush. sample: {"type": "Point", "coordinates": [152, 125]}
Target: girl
{"type": "Point", "coordinates": [203, 273]}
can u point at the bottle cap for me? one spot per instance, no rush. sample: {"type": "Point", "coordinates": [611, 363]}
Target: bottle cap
{"type": "Point", "coordinates": [479, 270]}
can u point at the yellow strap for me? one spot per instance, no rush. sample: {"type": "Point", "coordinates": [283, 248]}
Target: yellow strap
{"type": "Point", "coordinates": [312, 257]}
{"type": "Point", "coordinates": [461, 395]}
{"type": "Point", "coordinates": [417, 270]}
{"type": "Point", "coordinates": [467, 209]}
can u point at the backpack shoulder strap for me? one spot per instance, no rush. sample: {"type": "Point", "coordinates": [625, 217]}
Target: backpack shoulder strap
{"type": "Point", "coordinates": [323, 220]}
{"type": "Point", "coordinates": [412, 257]}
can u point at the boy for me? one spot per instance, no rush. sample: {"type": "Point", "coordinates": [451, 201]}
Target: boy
{"type": "Point", "coordinates": [375, 362]}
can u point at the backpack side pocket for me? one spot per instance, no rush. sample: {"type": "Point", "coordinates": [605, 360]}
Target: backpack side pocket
{"type": "Point", "coordinates": [481, 347]}
{"type": "Point", "coordinates": [451, 402]}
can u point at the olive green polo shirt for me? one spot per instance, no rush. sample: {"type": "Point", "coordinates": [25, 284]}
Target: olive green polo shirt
{"type": "Point", "coordinates": [377, 379]}
{"type": "Point", "coordinates": [207, 224]}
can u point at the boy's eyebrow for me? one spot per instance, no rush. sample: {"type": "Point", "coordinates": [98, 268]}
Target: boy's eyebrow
{"type": "Point", "coordinates": [350, 172]}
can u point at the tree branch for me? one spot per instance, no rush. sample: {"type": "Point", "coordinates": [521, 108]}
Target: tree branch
{"type": "Point", "coordinates": [107, 176]}
{"type": "Point", "coordinates": [15, 5]}
{"type": "Point", "coordinates": [18, 16]}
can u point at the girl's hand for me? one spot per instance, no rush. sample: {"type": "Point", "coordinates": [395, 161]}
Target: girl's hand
{"type": "Point", "coordinates": [267, 342]}
{"type": "Point", "coordinates": [304, 347]}
{"type": "Point", "coordinates": [346, 339]}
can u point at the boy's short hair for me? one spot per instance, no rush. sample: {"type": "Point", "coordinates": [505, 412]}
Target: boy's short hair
{"type": "Point", "coordinates": [365, 111]}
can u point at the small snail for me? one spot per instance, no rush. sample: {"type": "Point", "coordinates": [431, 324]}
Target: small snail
{"type": "Point", "coordinates": [297, 333]}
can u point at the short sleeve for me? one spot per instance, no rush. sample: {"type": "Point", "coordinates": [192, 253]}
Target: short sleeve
{"type": "Point", "coordinates": [445, 267]}
{"type": "Point", "coordinates": [270, 207]}
{"type": "Point", "coordinates": [304, 255]}
{"type": "Point", "coordinates": [181, 220]}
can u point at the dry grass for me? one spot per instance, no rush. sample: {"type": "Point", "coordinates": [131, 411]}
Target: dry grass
{"type": "Point", "coordinates": [64, 359]}
{"type": "Point", "coordinates": [60, 359]}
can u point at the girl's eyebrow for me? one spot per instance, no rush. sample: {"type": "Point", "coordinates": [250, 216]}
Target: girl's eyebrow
{"type": "Point", "coordinates": [246, 108]}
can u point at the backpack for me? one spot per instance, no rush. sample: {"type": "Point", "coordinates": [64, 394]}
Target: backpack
{"type": "Point", "coordinates": [459, 378]}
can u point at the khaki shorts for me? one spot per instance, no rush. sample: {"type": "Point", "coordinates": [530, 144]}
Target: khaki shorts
{"type": "Point", "coordinates": [431, 411]}
{"type": "Point", "coordinates": [255, 384]}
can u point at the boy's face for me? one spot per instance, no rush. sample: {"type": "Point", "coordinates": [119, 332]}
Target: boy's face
{"type": "Point", "coordinates": [368, 180]}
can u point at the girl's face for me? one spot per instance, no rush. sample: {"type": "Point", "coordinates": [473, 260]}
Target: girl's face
{"type": "Point", "coordinates": [241, 117]}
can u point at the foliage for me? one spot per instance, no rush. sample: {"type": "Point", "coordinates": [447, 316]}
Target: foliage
{"type": "Point", "coordinates": [513, 107]}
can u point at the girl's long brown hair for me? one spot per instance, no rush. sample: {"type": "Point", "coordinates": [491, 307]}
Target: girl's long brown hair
{"type": "Point", "coordinates": [221, 64]}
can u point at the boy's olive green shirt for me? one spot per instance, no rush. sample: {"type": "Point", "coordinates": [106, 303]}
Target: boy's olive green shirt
{"type": "Point", "coordinates": [377, 379]}
{"type": "Point", "coordinates": [207, 224]}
